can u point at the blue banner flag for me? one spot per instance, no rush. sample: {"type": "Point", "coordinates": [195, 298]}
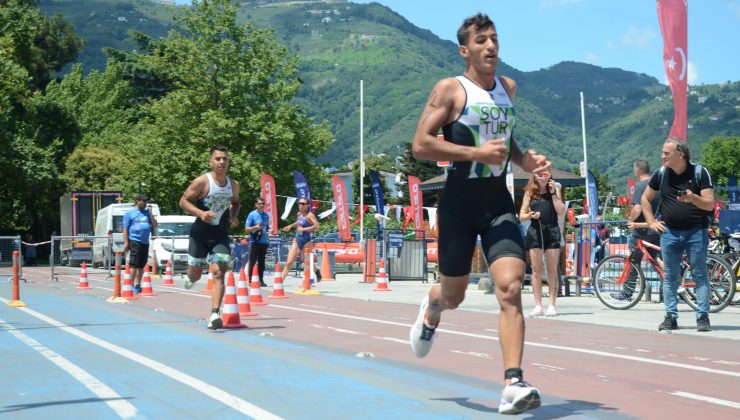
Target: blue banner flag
{"type": "Point", "coordinates": [301, 187]}
{"type": "Point", "coordinates": [377, 195]}
{"type": "Point", "coordinates": [377, 192]}
{"type": "Point", "coordinates": [734, 193]}
{"type": "Point", "coordinates": [593, 196]}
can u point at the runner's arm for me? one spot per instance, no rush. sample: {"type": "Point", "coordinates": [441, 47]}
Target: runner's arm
{"type": "Point", "coordinates": [195, 191]}
{"type": "Point", "coordinates": [235, 204]}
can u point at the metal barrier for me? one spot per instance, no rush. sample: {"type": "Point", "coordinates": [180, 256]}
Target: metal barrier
{"type": "Point", "coordinates": [404, 251]}
{"type": "Point", "coordinates": [8, 244]}
{"type": "Point", "coordinates": [69, 252]}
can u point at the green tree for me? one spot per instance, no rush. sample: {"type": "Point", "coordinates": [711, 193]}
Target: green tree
{"type": "Point", "coordinates": [721, 156]}
{"type": "Point", "coordinates": [231, 84]}
{"type": "Point", "coordinates": [372, 163]}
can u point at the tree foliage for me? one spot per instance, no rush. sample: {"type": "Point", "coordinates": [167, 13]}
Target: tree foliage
{"type": "Point", "coordinates": [721, 156]}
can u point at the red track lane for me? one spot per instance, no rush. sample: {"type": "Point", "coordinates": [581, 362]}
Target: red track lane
{"type": "Point", "coordinates": [573, 361]}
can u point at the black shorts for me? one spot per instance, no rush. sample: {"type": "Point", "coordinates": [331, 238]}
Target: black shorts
{"type": "Point", "coordinates": [205, 241]}
{"type": "Point", "coordinates": [500, 237]}
{"type": "Point", "coordinates": [138, 254]}
{"type": "Point", "coordinates": [550, 236]}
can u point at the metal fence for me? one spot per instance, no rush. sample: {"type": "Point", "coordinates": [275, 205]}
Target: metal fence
{"type": "Point", "coordinates": [8, 244]}
{"type": "Point", "coordinates": [69, 252]}
{"type": "Point", "coordinates": [404, 251]}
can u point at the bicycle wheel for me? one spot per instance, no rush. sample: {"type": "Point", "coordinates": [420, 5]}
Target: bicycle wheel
{"type": "Point", "coordinates": [610, 292]}
{"type": "Point", "coordinates": [733, 259]}
{"type": "Point", "coordinates": [721, 282]}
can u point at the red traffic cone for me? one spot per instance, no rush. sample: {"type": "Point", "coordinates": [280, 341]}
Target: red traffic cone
{"type": "Point", "coordinates": [242, 296]}
{"type": "Point", "coordinates": [277, 284]}
{"type": "Point", "coordinates": [230, 314]}
{"type": "Point", "coordinates": [209, 286]}
{"type": "Point", "coordinates": [168, 276]}
{"type": "Point", "coordinates": [381, 283]}
{"type": "Point", "coordinates": [146, 283]}
{"type": "Point", "coordinates": [127, 292]}
{"type": "Point", "coordinates": [255, 293]}
{"type": "Point", "coordinates": [83, 278]}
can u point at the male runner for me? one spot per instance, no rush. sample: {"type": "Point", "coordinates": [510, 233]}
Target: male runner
{"type": "Point", "coordinates": [213, 198]}
{"type": "Point", "coordinates": [476, 114]}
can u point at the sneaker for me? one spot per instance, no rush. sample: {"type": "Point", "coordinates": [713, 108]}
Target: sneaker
{"type": "Point", "coordinates": [421, 335]}
{"type": "Point", "coordinates": [620, 296]}
{"type": "Point", "coordinates": [518, 398]}
{"type": "Point", "coordinates": [551, 311]}
{"type": "Point", "coordinates": [137, 290]}
{"type": "Point", "coordinates": [262, 284]}
{"type": "Point", "coordinates": [318, 275]}
{"type": "Point", "coordinates": [669, 323]}
{"type": "Point", "coordinates": [537, 311]}
{"type": "Point", "coordinates": [702, 323]}
{"type": "Point", "coordinates": [215, 322]}
{"type": "Point", "coordinates": [188, 284]}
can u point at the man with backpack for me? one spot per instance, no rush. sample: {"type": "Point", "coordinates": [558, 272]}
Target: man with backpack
{"type": "Point", "coordinates": [687, 201]}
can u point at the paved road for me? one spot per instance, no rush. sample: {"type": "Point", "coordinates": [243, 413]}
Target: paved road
{"type": "Point", "coordinates": [71, 354]}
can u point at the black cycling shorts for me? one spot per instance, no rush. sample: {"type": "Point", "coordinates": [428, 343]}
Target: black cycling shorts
{"type": "Point", "coordinates": [205, 241]}
{"type": "Point", "coordinates": [550, 236]}
{"type": "Point", "coordinates": [138, 254]}
{"type": "Point", "coordinates": [500, 237]}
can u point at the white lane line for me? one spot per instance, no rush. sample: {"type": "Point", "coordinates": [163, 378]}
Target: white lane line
{"type": "Point", "coordinates": [394, 340]}
{"type": "Point", "coordinates": [473, 353]}
{"type": "Point", "coordinates": [117, 403]}
{"type": "Point", "coordinates": [548, 367]}
{"type": "Point", "coordinates": [207, 389]}
{"type": "Point", "coordinates": [712, 400]}
{"type": "Point", "coordinates": [531, 343]}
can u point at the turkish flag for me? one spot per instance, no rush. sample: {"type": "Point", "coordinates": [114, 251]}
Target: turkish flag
{"type": "Point", "coordinates": [673, 26]}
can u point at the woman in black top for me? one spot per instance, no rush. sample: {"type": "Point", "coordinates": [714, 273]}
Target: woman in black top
{"type": "Point", "coordinates": [542, 205]}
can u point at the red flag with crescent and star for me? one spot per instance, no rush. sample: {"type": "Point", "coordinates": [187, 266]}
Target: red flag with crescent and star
{"type": "Point", "coordinates": [672, 15]}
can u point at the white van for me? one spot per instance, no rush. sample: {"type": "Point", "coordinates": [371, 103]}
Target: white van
{"type": "Point", "coordinates": [109, 222]}
{"type": "Point", "coordinates": [171, 242]}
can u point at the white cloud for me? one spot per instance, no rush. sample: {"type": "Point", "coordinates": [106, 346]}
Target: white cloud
{"type": "Point", "coordinates": [692, 73]}
{"type": "Point", "coordinates": [548, 4]}
{"type": "Point", "coordinates": [640, 38]}
{"type": "Point", "coordinates": [734, 7]}
{"type": "Point", "coordinates": [591, 58]}
{"type": "Point", "coordinates": [608, 45]}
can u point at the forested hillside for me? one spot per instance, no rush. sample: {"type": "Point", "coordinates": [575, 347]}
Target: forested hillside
{"type": "Point", "coordinates": [340, 43]}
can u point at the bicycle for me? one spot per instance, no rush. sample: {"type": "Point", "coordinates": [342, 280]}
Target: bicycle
{"type": "Point", "coordinates": [612, 273]}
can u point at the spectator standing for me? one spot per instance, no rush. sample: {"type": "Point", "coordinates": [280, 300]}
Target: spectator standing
{"type": "Point", "coordinates": [138, 224]}
{"type": "Point", "coordinates": [686, 204]}
{"type": "Point", "coordinates": [257, 226]}
{"type": "Point", "coordinates": [542, 205]}
{"type": "Point", "coordinates": [638, 227]}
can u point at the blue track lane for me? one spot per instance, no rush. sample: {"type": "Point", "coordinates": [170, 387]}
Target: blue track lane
{"type": "Point", "coordinates": [289, 379]}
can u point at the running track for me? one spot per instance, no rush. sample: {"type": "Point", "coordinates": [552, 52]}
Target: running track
{"type": "Point", "coordinates": [71, 354]}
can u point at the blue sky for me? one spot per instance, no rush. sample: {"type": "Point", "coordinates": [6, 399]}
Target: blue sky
{"type": "Point", "coordinates": [535, 34]}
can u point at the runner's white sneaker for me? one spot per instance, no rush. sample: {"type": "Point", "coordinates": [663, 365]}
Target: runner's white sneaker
{"type": "Point", "coordinates": [188, 284]}
{"type": "Point", "coordinates": [215, 322]}
{"type": "Point", "coordinates": [518, 398]}
{"type": "Point", "coordinates": [421, 335]}
{"type": "Point", "coordinates": [537, 311]}
{"type": "Point", "coordinates": [551, 311]}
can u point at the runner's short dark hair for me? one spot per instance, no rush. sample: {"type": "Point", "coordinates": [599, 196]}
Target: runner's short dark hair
{"type": "Point", "coordinates": [479, 21]}
{"type": "Point", "coordinates": [219, 148]}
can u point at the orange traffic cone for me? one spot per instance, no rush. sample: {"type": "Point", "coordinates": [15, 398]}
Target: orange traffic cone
{"type": "Point", "coordinates": [381, 282]}
{"type": "Point", "coordinates": [209, 286]}
{"type": "Point", "coordinates": [127, 292]}
{"type": "Point", "coordinates": [326, 274]}
{"type": "Point", "coordinates": [168, 276]}
{"type": "Point", "coordinates": [83, 278]}
{"type": "Point", "coordinates": [230, 314]}
{"type": "Point", "coordinates": [146, 283]}
{"type": "Point", "coordinates": [242, 296]}
{"type": "Point", "coordinates": [255, 293]}
{"type": "Point", "coordinates": [277, 284]}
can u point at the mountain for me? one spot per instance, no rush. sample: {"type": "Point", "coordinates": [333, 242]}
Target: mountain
{"type": "Point", "coordinates": [628, 115]}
